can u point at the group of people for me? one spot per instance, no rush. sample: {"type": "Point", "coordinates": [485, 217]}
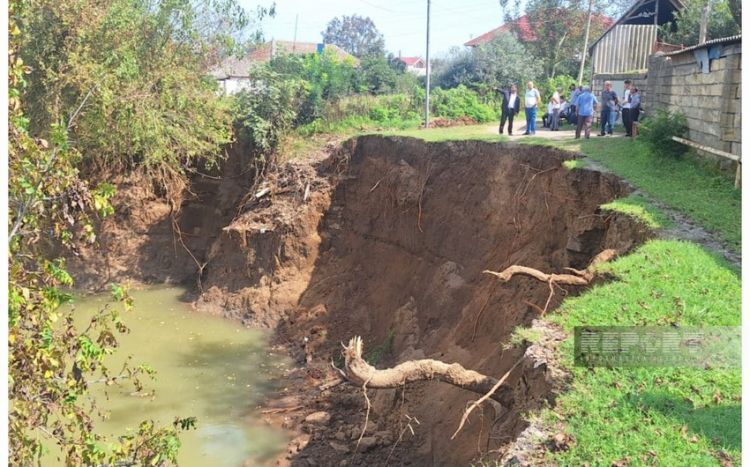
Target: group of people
{"type": "Point", "coordinates": [579, 110]}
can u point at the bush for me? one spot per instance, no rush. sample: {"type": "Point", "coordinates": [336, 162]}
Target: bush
{"type": "Point", "coordinates": [326, 79]}
{"type": "Point", "coordinates": [560, 81]}
{"type": "Point", "coordinates": [397, 111]}
{"type": "Point", "coordinates": [267, 108]}
{"type": "Point", "coordinates": [657, 132]}
{"type": "Point", "coordinates": [137, 76]}
{"type": "Point", "coordinates": [460, 102]}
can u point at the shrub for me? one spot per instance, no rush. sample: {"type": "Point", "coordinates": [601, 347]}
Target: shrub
{"type": "Point", "coordinates": [460, 102]}
{"type": "Point", "coordinates": [326, 79]}
{"type": "Point", "coordinates": [267, 108]}
{"type": "Point", "coordinates": [560, 81]}
{"type": "Point", "coordinates": [137, 76]}
{"type": "Point", "coordinates": [657, 132]}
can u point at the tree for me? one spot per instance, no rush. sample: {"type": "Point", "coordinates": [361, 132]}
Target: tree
{"type": "Point", "coordinates": [496, 64]}
{"type": "Point", "coordinates": [120, 79]}
{"type": "Point", "coordinates": [142, 66]}
{"type": "Point", "coordinates": [378, 75]}
{"type": "Point", "coordinates": [553, 31]}
{"type": "Point", "coordinates": [686, 25]}
{"type": "Point", "coordinates": [355, 34]}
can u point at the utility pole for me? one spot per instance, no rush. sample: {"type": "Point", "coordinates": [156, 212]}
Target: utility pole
{"type": "Point", "coordinates": [585, 51]}
{"type": "Point", "coordinates": [703, 32]}
{"type": "Point", "coordinates": [427, 69]}
{"type": "Point", "coordinates": [294, 44]}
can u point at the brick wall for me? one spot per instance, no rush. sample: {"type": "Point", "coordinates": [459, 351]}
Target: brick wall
{"type": "Point", "coordinates": [710, 101]}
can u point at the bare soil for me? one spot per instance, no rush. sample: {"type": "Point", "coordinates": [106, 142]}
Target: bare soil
{"type": "Point", "coordinates": [385, 238]}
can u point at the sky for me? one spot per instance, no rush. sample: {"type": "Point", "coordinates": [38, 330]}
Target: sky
{"type": "Point", "coordinates": [402, 22]}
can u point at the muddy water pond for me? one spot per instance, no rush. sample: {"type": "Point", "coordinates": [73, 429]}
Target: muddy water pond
{"type": "Point", "coordinates": [207, 367]}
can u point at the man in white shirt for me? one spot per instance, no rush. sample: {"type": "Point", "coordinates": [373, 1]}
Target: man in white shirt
{"type": "Point", "coordinates": [555, 120]}
{"type": "Point", "coordinates": [532, 99]}
{"type": "Point", "coordinates": [510, 108]}
{"type": "Point", "coordinates": [625, 107]}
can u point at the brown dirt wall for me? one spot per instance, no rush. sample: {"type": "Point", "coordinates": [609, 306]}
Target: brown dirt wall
{"type": "Point", "coordinates": [385, 238]}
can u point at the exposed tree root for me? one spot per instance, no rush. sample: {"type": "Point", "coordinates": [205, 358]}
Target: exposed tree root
{"type": "Point", "coordinates": [577, 277]}
{"type": "Point", "coordinates": [489, 394]}
{"type": "Point", "coordinates": [359, 372]}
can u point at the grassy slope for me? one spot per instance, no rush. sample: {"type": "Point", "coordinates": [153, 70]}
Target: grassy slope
{"type": "Point", "coordinates": [659, 416]}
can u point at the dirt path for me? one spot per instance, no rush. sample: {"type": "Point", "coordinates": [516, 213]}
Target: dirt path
{"type": "Point", "coordinates": [541, 132]}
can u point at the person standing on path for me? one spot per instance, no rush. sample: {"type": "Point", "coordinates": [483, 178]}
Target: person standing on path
{"type": "Point", "coordinates": [585, 104]}
{"type": "Point", "coordinates": [575, 91]}
{"type": "Point", "coordinates": [635, 108]}
{"type": "Point", "coordinates": [532, 104]}
{"type": "Point", "coordinates": [510, 108]}
{"type": "Point", "coordinates": [626, 121]}
{"type": "Point", "coordinates": [555, 121]}
{"type": "Point", "coordinates": [609, 109]}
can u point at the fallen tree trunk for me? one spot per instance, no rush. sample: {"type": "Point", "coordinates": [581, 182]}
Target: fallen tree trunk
{"type": "Point", "coordinates": [359, 372]}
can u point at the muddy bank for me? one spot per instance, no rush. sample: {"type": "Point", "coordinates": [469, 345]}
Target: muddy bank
{"type": "Point", "coordinates": [387, 238]}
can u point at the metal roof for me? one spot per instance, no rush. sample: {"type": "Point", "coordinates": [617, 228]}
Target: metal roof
{"type": "Point", "coordinates": [677, 4]}
{"type": "Point", "coordinates": [721, 40]}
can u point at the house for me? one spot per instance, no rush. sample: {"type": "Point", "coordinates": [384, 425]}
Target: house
{"type": "Point", "coordinates": [414, 65]}
{"type": "Point", "coordinates": [524, 27]}
{"type": "Point", "coordinates": [623, 50]}
{"type": "Point", "coordinates": [233, 73]}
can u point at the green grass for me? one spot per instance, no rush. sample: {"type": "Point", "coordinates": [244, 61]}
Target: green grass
{"type": "Point", "coordinates": [689, 187]}
{"type": "Point", "coordinates": [574, 164]}
{"type": "Point", "coordinates": [469, 132]}
{"type": "Point", "coordinates": [653, 416]}
{"type": "Point", "coordinates": [641, 209]}
{"type": "Point", "coordinates": [374, 356]}
{"type": "Point", "coordinates": [522, 335]}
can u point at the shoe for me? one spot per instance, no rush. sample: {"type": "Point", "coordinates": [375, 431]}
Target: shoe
{"type": "Point", "coordinates": [510, 134]}
{"type": "Point", "coordinates": [501, 131]}
{"type": "Point", "coordinates": [602, 134]}
{"type": "Point", "coordinates": [527, 133]}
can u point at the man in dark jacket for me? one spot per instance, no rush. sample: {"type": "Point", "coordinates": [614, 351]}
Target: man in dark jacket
{"type": "Point", "coordinates": [511, 107]}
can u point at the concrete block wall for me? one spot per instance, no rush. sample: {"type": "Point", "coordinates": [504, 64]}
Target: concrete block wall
{"type": "Point", "coordinates": [710, 101]}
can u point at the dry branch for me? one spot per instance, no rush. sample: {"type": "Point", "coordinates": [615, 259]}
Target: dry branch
{"type": "Point", "coordinates": [359, 372]}
{"type": "Point", "coordinates": [489, 394]}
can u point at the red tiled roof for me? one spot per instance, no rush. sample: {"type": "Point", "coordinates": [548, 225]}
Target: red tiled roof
{"type": "Point", "coordinates": [526, 34]}
{"type": "Point", "coordinates": [410, 61]}
{"type": "Point", "coordinates": [525, 30]}
{"type": "Point", "coordinates": [263, 52]}
{"type": "Point", "coordinates": [234, 67]}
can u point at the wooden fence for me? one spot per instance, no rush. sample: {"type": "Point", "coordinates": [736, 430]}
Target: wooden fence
{"type": "Point", "coordinates": [625, 48]}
